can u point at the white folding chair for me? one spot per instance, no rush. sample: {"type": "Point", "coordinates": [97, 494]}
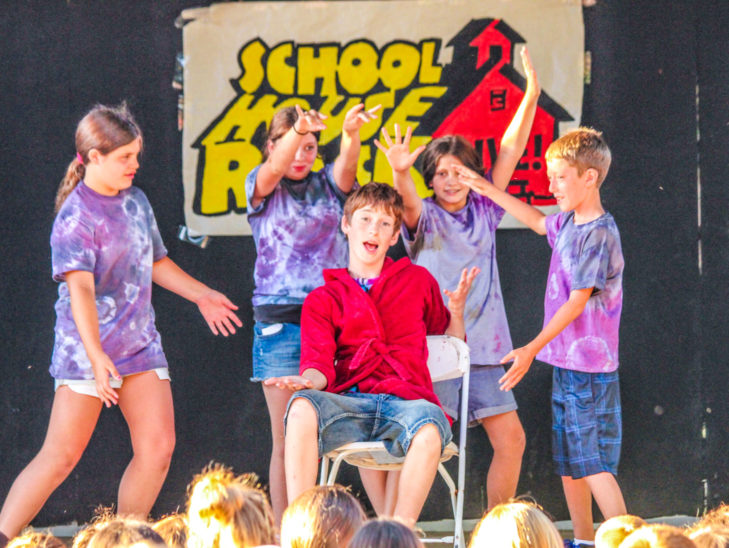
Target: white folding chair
{"type": "Point", "coordinates": [448, 358]}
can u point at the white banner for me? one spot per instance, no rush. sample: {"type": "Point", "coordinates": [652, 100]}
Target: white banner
{"type": "Point", "coordinates": [440, 66]}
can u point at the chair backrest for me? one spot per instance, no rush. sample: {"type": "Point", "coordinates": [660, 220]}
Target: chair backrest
{"type": "Point", "coordinates": [448, 357]}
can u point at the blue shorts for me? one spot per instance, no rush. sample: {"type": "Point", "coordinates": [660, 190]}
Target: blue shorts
{"type": "Point", "coordinates": [276, 350]}
{"type": "Point", "coordinates": [586, 424]}
{"type": "Point", "coordinates": [484, 397]}
{"type": "Point", "coordinates": [354, 416]}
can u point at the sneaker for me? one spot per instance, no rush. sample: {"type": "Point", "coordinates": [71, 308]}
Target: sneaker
{"type": "Point", "coordinates": [570, 543]}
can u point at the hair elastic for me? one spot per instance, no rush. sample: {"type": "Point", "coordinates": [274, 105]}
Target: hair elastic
{"type": "Point", "coordinates": [79, 158]}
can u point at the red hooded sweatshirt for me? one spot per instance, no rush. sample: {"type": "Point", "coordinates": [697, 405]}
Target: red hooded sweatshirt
{"type": "Point", "coordinates": [374, 340]}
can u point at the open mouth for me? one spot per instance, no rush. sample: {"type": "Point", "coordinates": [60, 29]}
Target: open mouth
{"type": "Point", "coordinates": [370, 247]}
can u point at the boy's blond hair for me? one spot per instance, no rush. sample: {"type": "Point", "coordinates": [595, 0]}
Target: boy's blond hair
{"type": "Point", "coordinates": [614, 530]}
{"type": "Point", "coordinates": [657, 536]}
{"type": "Point", "coordinates": [224, 509]}
{"type": "Point", "coordinates": [516, 523]}
{"type": "Point", "coordinates": [377, 195]}
{"type": "Point", "coordinates": [583, 148]}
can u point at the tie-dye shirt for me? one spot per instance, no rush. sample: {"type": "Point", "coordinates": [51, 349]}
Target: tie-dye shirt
{"type": "Point", "coordinates": [117, 239]}
{"type": "Point", "coordinates": [584, 256]}
{"type": "Point", "coordinates": [446, 243]}
{"type": "Point", "coordinates": [297, 235]}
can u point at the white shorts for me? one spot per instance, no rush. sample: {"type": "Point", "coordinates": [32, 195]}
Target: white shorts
{"type": "Point", "coordinates": [88, 387]}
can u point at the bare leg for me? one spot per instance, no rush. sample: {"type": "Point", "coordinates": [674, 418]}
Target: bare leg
{"type": "Point", "coordinates": [579, 502]}
{"type": "Point", "coordinates": [609, 498]}
{"type": "Point", "coordinates": [381, 489]}
{"type": "Point", "coordinates": [508, 440]}
{"type": "Point", "coordinates": [146, 402]}
{"type": "Point", "coordinates": [417, 474]}
{"type": "Point", "coordinates": [302, 451]}
{"type": "Point", "coordinates": [73, 418]}
{"type": "Point", "coordinates": [276, 401]}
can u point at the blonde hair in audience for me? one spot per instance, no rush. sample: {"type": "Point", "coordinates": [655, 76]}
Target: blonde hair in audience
{"type": "Point", "coordinates": [33, 539]}
{"type": "Point", "coordinates": [125, 533]}
{"type": "Point", "coordinates": [657, 536]}
{"type": "Point", "coordinates": [517, 524]}
{"type": "Point", "coordinates": [102, 516]}
{"type": "Point", "coordinates": [385, 533]}
{"type": "Point", "coordinates": [717, 516]}
{"type": "Point", "coordinates": [173, 530]}
{"type": "Point", "coordinates": [709, 536]}
{"type": "Point", "coordinates": [325, 516]}
{"type": "Point", "coordinates": [228, 510]}
{"type": "Point", "coordinates": [612, 531]}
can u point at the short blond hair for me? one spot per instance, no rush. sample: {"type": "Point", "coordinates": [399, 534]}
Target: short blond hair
{"type": "Point", "coordinates": [583, 148]}
{"type": "Point", "coordinates": [226, 509]}
{"type": "Point", "coordinates": [518, 524]}
{"type": "Point", "coordinates": [658, 536]}
{"type": "Point", "coordinates": [612, 531]}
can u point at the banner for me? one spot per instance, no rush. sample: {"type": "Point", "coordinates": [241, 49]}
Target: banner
{"type": "Point", "coordinates": [439, 66]}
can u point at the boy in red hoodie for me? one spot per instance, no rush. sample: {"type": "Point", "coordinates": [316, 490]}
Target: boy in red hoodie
{"type": "Point", "coordinates": [364, 374]}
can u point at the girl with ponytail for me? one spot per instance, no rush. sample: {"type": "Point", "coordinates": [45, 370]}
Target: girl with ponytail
{"type": "Point", "coordinates": [106, 252]}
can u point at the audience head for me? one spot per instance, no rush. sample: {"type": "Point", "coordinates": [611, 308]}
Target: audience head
{"type": "Point", "coordinates": [228, 510]}
{"type": "Point", "coordinates": [612, 531]}
{"type": "Point", "coordinates": [657, 536]}
{"type": "Point", "coordinates": [102, 516]}
{"type": "Point", "coordinates": [173, 529]}
{"type": "Point", "coordinates": [125, 533]}
{"type": "Point", "coordinates": [325, 516]}
{"type": "Point", "coordinates": [719, 516]}
{"type": "Point", "coordinates": [517, 524]}
{"type": "Point", "coordinates": [34, 539]}
{"type": "Point", "coordinates": [709, 536]}
{"type": "Point", "coordinates": [385, 533]}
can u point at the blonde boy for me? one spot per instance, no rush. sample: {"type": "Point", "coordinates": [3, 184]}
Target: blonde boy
{"type": "Point", "coordinates": [364, 374]}
{"type": "Point", "coordinates": [582, 309]}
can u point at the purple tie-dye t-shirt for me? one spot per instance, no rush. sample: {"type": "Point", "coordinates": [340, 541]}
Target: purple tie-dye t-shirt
{"type": "Point", "coordinates": [584, 256]}
{"type": "Point", "coordinates": [117, 239]}
{"type": "Point", "coordinates": [446, 243]}
{"type": "Point", "coordinates": [297, 233]}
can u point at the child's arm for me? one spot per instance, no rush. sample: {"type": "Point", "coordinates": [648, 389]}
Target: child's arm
{"type": "Point", "coordinates": [516, 135]}
{"type": "Point", "coordinates": [401, 160]}
{"type": "Point", "coordinates": [82, 289]}
{"type": "Point", "coordinates": [457, 302]}
{"type": "Point", "coordinates": [283, 153]}
{"type": "Point", "coordinates": [215, 307]}
{"type": "Point", "coordinates": [525, 213]}
{"type": "Point", "coordinates": [524, 356]}
{"type": "Point", "coordinates": [345, 166]}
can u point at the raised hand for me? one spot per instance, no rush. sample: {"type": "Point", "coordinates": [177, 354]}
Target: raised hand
{"type": "Point", "coordinates": [217, 310]}
{"type": "Point", "coordinates": [356, 117]}
{"type": "Point", "coordinates": [309, 121]}
{"type": "Point", "coordinates": [398, 152]}
{"type": "Point", "coordinates": [533, 87]}
{"type": "Point", "coordinates": [457, 297]}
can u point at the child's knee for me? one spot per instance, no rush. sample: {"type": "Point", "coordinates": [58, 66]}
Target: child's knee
{"type": "Point", "coordinates": [427, 439]}
{"type": "Point", "coordinates": [301, 413]}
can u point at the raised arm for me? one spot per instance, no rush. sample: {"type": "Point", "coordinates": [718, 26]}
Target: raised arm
{"type": "Point", "coordinates": [401, 160]}
{"type": "Point", "coordinates": [457, 302]}
{"type": "Point", "coordinates": [215, 307]}
{"type": "Point", "coordinates": [282, 153]}
{"type": "Point", "coordinates": [524, 356]}
{"type": "Point", "coordinates": [345, 166]}
{"type": "Point", "coordinates": [529, 215]}
{"type": "Point", "coordinates": [516, 135]}
{"type": "Point", "coordinates": [82, 289]}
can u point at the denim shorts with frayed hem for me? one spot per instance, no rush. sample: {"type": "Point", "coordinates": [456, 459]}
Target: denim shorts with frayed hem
{"type": "Point", "coordinates": [276, 350]}
{"type": "Point", "coordinates": [354, 416]}
{"type": "Point", "coordinates": [586, 422]}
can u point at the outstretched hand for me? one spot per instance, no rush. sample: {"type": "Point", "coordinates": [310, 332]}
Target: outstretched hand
{"type": "Point", "coordinates": [357, 116]}
{"type": "Point", "coordinates": [533, 87]}
{"type": "Point", "coordinates": [217, 310]}
{"type": "Point", "coordinates": [289, 382]}
{"type": "Point", "coordinates": [398, 152]}
{"type": "Point", "coordinates": [309, 121]}
{"type": "Point", "coordinates": [472, 180]}
{"type": "Point", "coordinates": [522, 358]}
{"type": "Point", "coordinates": [457, 297]}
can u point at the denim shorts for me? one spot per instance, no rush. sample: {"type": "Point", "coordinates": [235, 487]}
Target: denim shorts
{"type": "Point", "coordinates": [354, 416]}
{"type": "Point", "coordinates": [586, 424]}
{"type": "Point", "coordinates": [484, 397]}
{"type": "Point", "coordinates": [276, 350]}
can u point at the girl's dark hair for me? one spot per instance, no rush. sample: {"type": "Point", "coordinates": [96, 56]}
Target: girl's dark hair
{"type": "Point", "coordinates": [105, 129]}
{"type": "Point", "coordinates": [385, 533]}
{"type": "Point", "coordinates": [281, 122]}
{"type": "Point", "coordinates": [453, 145]}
